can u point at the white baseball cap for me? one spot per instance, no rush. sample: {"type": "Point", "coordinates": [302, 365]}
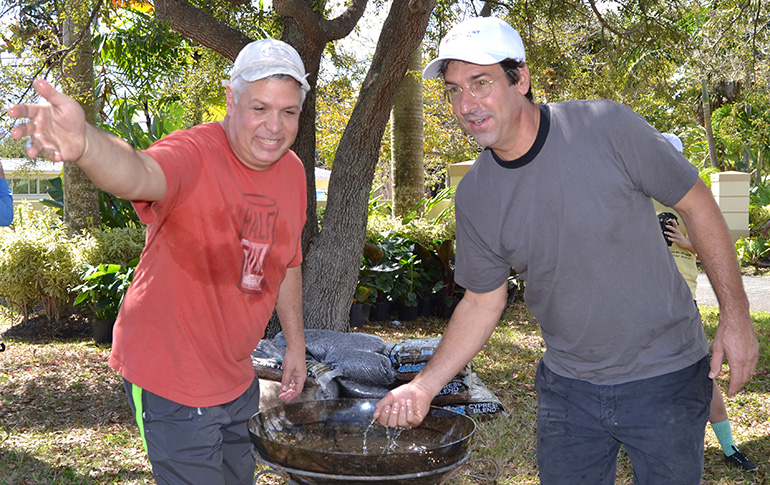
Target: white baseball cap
{"type": "Point", "coordinates": [674, 140]}
{"type": "Point", "coordinates": [267, 57]}
{"type": "Point", "coordinates": [478, 40]}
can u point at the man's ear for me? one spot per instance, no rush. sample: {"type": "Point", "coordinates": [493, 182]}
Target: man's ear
{"type": "Point", "coordinates": [524, 79]}
{"type": "Point", "coordinates": [229, 98]}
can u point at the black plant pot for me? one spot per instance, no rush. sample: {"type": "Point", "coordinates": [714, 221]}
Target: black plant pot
{"type": "Point", "coordinates": [359, 314]}
{"type": "Point", "coordinates": [425, 306]}
{"type": "Point", "coordinates": [102, 330]}
{"type": "Point", "coordinates": [446, 309]}
{"type": "Point", "coordinates": [381, 311]}
{"type": "Point", "coordinates": [407, 313]}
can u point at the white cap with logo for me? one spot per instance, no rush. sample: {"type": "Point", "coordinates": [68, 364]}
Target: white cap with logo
{"type": "Point", "coordinates": [478, 40]}
{"type": "Point", "coordinates": [268, 57]}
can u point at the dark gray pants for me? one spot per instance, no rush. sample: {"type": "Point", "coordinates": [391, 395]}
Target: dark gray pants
{"type": "Point", "coordinates": [196, 446]}
{"type": "Point", "coordinates": [660, 421]}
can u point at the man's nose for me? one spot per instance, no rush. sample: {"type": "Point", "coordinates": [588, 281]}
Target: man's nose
{"type": "Point", "coordinates": [467, 101]}
{"type": "Point", "coordinates": [273, 122]}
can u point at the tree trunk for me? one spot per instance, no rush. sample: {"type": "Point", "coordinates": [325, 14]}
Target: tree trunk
{"type": "Point", "coordinates": [407, 144]}
{"type": "Point", "coordinates": [81, 196]}
{"type": "Point", "coordinates": [304, 146]}
{"type": "Point", "coordinates": [707, 124]}
{"type": "Point", "coordinates": [334, 257]}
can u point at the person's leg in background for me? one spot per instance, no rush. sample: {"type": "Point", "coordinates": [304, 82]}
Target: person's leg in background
{"type": "Point", "coordinates": [720, 423]}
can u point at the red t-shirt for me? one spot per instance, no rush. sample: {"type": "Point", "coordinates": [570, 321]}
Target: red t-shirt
{"type": "Point", "coordinates": [217, 249]}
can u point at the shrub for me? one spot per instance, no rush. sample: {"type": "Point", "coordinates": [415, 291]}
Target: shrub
{"type": "Point", "coordinates": [112, 245]}
{"type": "Point", "coordinates": [104, 287]}
{"type": "Point", "coordinates": [416, 258]}
{"type": "Point", "coordinates": [38, 263]}
{"type": "Point", "coordinates": [752, 250]}
{"type": "Point", "coordinates": [413, 226]}
{"type": "Point", "coordinates": [41, 264]}
{"type": "Point", "coordinates": [758, 217]}
{"type": "Point", "coordinates": [421, 231]}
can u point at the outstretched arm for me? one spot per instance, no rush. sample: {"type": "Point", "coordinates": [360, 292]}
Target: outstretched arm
{"type": "Point", "coordinates": [59, 132]}
{"type": "Point", "coordinates": [735, 338]}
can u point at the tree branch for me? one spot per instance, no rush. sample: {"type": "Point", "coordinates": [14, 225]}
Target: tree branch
{"type": "Point", "coordinates": [201, 27]}
{"type": "Point", "coordinates": [57, 56]}
{"type": "Point", "coordinates": [308, 21]}
{"type": "Point", "coordinates": [343, 25]}
{"type": "Point", "coordinates": [602, 20]}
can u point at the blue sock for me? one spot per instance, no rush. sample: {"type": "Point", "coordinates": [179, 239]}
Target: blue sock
{"type": "Point", "coordinates": [725, 436]}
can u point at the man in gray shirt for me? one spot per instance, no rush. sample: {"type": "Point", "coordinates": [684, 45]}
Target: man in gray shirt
{"type": "Point", "coordinates": [562, 194]}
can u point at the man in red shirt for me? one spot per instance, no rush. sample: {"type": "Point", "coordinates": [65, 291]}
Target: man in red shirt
{"type": "Point", "coordinates": [224, 205]}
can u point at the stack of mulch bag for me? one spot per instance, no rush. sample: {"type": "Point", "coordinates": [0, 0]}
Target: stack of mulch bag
{"type": "Point", "coordinates": [358, 365]}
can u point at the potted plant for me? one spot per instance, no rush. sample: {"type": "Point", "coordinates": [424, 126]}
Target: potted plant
{"type": "Point", "coordinates": [381, 280]}
{"type": "Point", "coordinates": [362, 306]}
{"type": "Point", "coordinates": [103, 289]}
{"type": "Point", "coordinates": [377, 274]}
{"type": "Point", "coordinates": [441, 265]}
{"type": "Point", "coordinates": [406, 287]}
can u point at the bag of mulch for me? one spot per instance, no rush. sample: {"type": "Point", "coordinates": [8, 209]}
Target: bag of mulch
{"type": "Point", "coordinates": [410, 356]}
{"type": "Point", "coordinates": [318, 343]}
{"type": "Point", "coordinates": [413, 351]}
{"type": "Point", "coordinates": [482, 404]}
{"type": "Point", "coordinates": [361, 366]}
{"type": "Point", "coordinates": [458, 390]}
{"type": "Point", "coordinates": [410, 371]}
{"type": "Point", "coordinates": [268, 349]}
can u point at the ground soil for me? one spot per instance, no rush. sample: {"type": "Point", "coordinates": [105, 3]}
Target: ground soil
{"type": "Point", "coordinates": [39, 329]}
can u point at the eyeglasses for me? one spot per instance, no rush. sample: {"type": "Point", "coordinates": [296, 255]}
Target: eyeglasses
{"type": "Point", "coordinates": [479, 89]}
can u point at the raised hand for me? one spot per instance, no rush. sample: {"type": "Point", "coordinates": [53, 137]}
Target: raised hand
{"type": "Point", "coordinates": [56, 130]}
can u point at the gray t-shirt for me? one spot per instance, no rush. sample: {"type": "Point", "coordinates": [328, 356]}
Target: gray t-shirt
{"type": "Point", "coordinates": [574, 217]}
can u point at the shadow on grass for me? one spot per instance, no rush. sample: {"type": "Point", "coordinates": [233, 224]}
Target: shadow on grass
{"type": "Point", "coordinates": [22, 468]}
{"type": "Point", "coordinates": [53, 378]}
{"type": "Point", "coordinates": [64, 416]}
{"type": "Point", "coordinates": [62, 403]}
{"type": "Point", "coordinates": [71, 326]}
{"type": "Point", "coordinates": [19, 467]}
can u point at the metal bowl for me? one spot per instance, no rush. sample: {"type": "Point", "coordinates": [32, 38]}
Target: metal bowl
{"type": "Point", "coordinates": [339, 438]}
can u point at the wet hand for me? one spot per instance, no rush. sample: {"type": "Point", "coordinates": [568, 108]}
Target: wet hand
{"type": "Point", "coordinates": [402, 408]}
{"type": "Point", "coordinates": [400, 414]}
{"type": "Point", "coordinates": [294, 375]}
{"type": "Point", "coordinates": [289, 391]}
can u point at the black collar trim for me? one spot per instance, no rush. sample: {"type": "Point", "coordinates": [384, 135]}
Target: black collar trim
{"type": "Point", "coordinates": [542, 134]}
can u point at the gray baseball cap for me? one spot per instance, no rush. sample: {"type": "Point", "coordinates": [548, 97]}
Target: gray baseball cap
{"type": "Point", "coordinates": [267, 57]}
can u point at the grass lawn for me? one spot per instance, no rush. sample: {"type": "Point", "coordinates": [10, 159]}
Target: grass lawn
{"type": "Point", "coordinates": [64, 418]}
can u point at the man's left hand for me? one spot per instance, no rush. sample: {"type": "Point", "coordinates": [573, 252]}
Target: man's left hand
{"type": "Point", "coordinates": [737, 342]}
